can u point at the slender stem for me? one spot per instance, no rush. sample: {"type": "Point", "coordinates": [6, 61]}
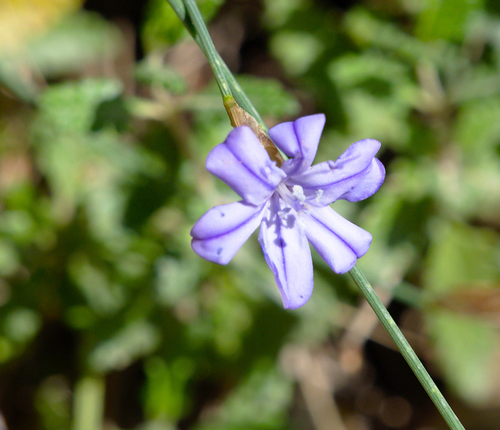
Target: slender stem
{"type": "Point", "coordinates": [207, 46]}
{"type": "Point", "coordinates": [218, 66]}
{"type": "Point", "coordinates": [406, 350]}
{"type": "Point", "coordinates": [180, 10]}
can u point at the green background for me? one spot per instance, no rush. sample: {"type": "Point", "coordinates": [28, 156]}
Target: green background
{"type": "Point", "coordinates": [107, 317]}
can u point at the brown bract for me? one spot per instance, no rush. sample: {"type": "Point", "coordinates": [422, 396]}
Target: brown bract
{"type": "Point", "coordinates": [239, 117]}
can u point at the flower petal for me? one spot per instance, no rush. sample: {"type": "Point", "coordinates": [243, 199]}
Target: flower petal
{"type": "Point", "coordinates": [356, 175]}
{"type": "Point", "coordinates": [337, 240]}
{"type": "Point", "coordinates": [298, 139]}
{"type": "Point", "coordinates": [287, 253]}
{"type": "Point", "coordinates": [242, 163]}
{"type": "Point", "coordinates": [221, 232]}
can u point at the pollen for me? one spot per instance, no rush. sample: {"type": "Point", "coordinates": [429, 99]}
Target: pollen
{"type": "Point", "coordinates": [298, 193]}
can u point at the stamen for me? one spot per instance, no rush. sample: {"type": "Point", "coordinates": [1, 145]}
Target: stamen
{"type": "Point", "coordinates": [319, 194]}
{"type": "Point", "coordinates": [298, 193]}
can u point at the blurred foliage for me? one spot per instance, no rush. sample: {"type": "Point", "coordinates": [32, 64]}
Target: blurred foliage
{"type": "Point", "coordinates": [162, 27]}
{"type": "Point", "coordinates": [102, 176]}
{"type": "Point", "coordinates": [21, 20]}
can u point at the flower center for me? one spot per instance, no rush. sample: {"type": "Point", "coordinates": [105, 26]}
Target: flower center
{"type": "Point", "coordinates": [293, 197]}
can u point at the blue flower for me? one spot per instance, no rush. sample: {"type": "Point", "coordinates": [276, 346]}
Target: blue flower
{"type": "Point", "coordinates": [290, 203]}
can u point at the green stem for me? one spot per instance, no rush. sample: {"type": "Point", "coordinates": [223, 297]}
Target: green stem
{"type": "Point", "coordinates": [187, 11]}
{"type": "Point", "coordinates": [88, 404]}
{"type": "Point", "coordinates": [406, 350]}
{"type": "Point", "coordinates": [207, 45]}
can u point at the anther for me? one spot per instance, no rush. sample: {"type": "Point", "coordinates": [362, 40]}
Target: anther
{"type": "Point", "coordinates": [298, 193]}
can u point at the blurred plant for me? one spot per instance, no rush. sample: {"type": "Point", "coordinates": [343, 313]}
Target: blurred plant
{"type": "Point", "coordinates": [103, 302]}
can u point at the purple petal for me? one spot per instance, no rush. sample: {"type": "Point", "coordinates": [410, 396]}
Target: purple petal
{"type": "Point", "coordinates": [369, 182]}
{"type": "Point", "coordinates": [298, 139]}
{"type": "Point", "coordinates": [221, 232]}
{"type": "Point", "coordinates": [337, 240]}
{"type": "Point", "coordinates": [287, 253]}
{"type": "Point", "coordinates": [242, 163]}
{"type": "Point", "coordinates": [356, 175]}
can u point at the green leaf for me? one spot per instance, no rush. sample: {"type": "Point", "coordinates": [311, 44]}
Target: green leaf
{"type": "Point", "coordinates": [467, 350]}
{"type": "Point", "coordinates": [261, 91]}
{"type": "Point", "coordinates": [353, 70]}
{"type": "Point", "coordinates": [163, 28]}
{"type": "Point", "coordinates": [135, 340]}
{"type": "Point", "coordinates": [53, 403]}
{"type": "Point", "coordinates": [277, 12]}
{"type": "Point", "coordinates": [9, 260]}
{"type": "Point", "coordinates": [383, 119]}
{"type": "Point", "coordinates": [463, 257]}
{"type": "Point", "coordinates": [445, 19]}
{"type": "Point", "coordinates": [103, 296]}
{"type": "Point", "coordinates": [366, 30]}
{"type": "Point", "coordinates": [70, 107]}
{"type": "Point", "coordinates": [265, 390]}
{"type": "Point", "coordinates": [152, 72]}
{"type": "Point", "coordinates": [77, 41]}
{"type": "Point", "coordinates": [22, 324]}
{"type": "Point", "coordinates": [378, 95]}
{"type": "Point", "coordinates": [460, 255]}
{"type": "Point", "coordinates": [85, 158]}
{"type": "Point", "coordinates": [479, 82]}
{"type": "Point", "coordinates": [165, 395]}
{"type": "Point", "coordinates": [176, 278]}
{"type": "Point", "coordinates": [477, 128]}
{"type": "Point", "coordinates": [297, 51]}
